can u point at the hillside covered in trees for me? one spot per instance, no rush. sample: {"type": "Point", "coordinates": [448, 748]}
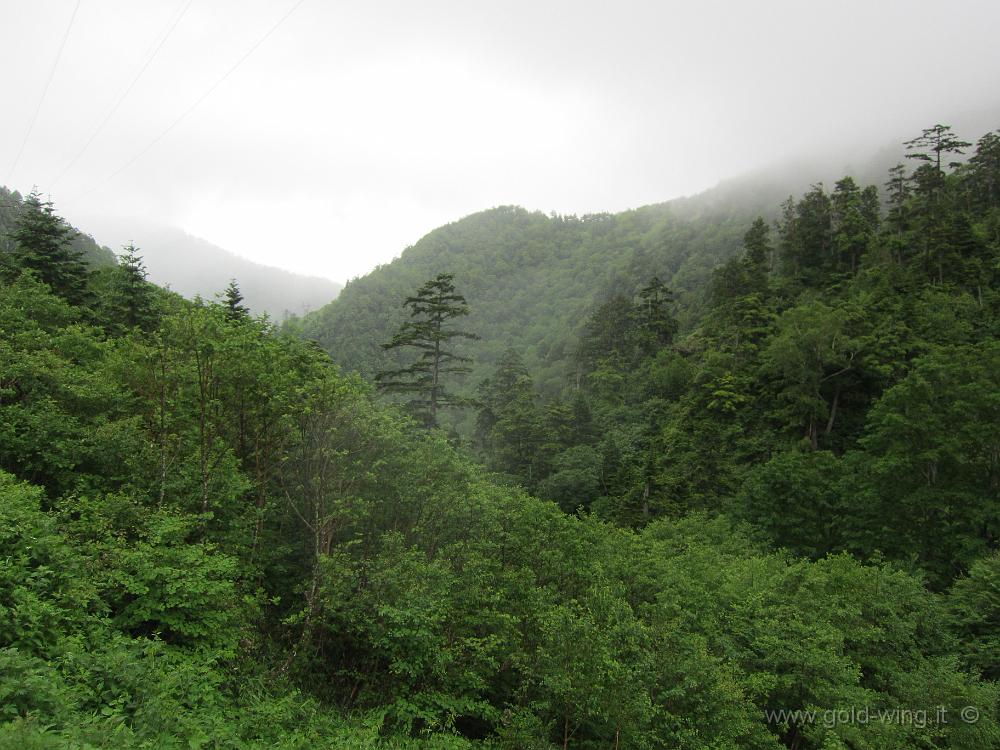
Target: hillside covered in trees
{"type": "Point", "coordinates": [187, 265]}
{"type": "Point", "coordinates": [729, 484]}
{"type": "Point", "coordinates": [535, 278]}
{"type": "Point", "coordinates": [838, 389]}
{"type": "Point", "coordinates": [11, 206]}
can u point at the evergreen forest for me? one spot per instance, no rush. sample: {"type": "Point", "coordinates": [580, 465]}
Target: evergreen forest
{"type": "Point", "coordinates": [709, 474]}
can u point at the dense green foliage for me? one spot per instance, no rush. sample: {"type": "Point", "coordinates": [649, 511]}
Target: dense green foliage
{"type": "Point", "coordinates": [12, 206]}
{"type": "Point", "coordinates": [775, 503]}
{"type": "Point", "coordinates": [839, 389]}
{"type": "Point", "coordinates": [531, 281]}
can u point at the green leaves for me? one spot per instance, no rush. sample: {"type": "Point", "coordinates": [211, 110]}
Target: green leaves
{"type": "Point", "coordinates": [974, 603]}
{"type": "Point", "coordinates": [41, 591]}
{"type": "Point", "coordinates": [170, 586]}
{"type": "Point", "coordinates": [811, 356]}
{"type": "Point", "coordinates": [932, 447]}
{"type": "Point", "coordinates": [593, 689]}
{"type": "Point", "coordinates": [803, 500]}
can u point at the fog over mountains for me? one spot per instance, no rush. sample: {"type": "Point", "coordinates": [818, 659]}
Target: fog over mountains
{"type": "Point", "coordinates": [192, 266]}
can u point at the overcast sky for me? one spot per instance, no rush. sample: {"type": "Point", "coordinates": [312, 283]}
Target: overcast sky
{"type": "Point", "coordinates": [356, 127]}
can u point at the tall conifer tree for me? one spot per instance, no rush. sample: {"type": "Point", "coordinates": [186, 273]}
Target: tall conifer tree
{"type": "Point", "coordinates": [434, 305]}
{"type": "Point", "coordinates": [43, 245]}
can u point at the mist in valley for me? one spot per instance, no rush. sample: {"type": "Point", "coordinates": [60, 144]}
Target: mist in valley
{"type": "Point", "coordinates": [518, 376]}
{"type": "Point", "coordinates": [325, 139]}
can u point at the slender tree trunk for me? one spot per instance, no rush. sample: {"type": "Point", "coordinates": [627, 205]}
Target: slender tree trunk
{"type": "Point", "coordinates": [258, 525]}
{"type": "Point", "coordinates": [163, 426]}
{"type": "Point", "coordinates": [435, 368]}
{"type": "Point", "coordinates": [202, 429]}
{"type": "Point", "coordinates": [833, 410]}
{"type": "Point", "coordinates": [242, 423]}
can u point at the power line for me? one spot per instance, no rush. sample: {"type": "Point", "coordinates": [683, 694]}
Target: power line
{"type": "Point", "coordinates": [171, 25]}
{"type": "Point", "coordinates": [194, 106]}
{"type": "Point", "coordinates": [52, 73]}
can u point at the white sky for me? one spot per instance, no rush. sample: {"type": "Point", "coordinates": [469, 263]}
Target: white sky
{"type": "Point", "coordinates": [356, 127]}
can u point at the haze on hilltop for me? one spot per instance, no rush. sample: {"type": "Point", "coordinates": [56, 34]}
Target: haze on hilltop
{"type": "Point", "coordinates": [324, 138]}
{"type": "Point", "coordinates": [192, 267]}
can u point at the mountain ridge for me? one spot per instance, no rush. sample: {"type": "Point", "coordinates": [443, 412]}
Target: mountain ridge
{"type": "Point", "coordinates": [193, 266]}
{"type": "Point", "coordinates": [578, 261]}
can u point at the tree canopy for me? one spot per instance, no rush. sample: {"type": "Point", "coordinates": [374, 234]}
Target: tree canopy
{"type": "Point", "coordinates": [739, 513]}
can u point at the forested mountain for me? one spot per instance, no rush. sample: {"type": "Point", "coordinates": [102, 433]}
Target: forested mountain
{"type": "Point", "coordinates": [743, 493]}
{"type": "Point", "coordinates": [192, 266]}
{"type": "Point", "coordinates": [841, 372]}
{"type": "Point", "coordinates": [11, 207]}
{"type": "Point", "coordinates": [535, 278]}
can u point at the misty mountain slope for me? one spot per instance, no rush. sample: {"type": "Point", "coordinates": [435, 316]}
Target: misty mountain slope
{"type": "Point", "coordinates": [192, 266]}
{"type": "Point", "coordinates": [10, 206]}
{"type": "Point", "coordinates": [531, 279]}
